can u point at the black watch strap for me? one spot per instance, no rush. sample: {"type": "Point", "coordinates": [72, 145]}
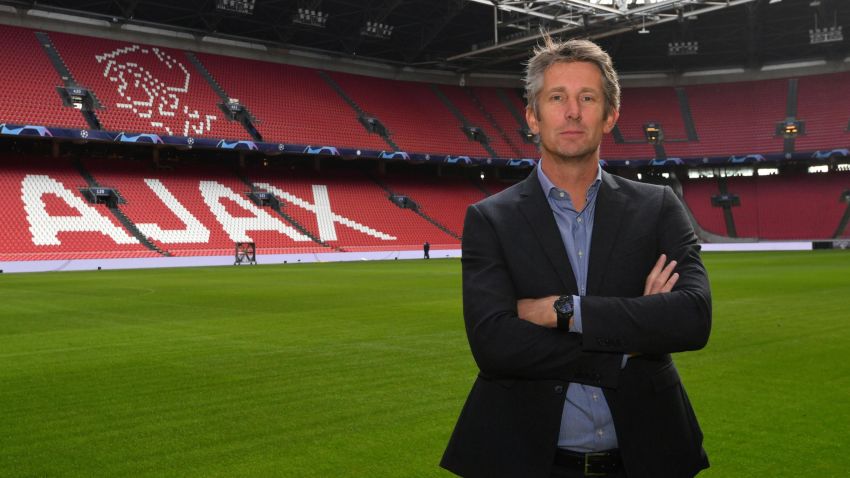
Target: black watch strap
{"type": "Point", "coordinates": [564, 309]}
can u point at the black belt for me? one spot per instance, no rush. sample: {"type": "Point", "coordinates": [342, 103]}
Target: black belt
{"type": "Point", "coordinates": [592, 464]}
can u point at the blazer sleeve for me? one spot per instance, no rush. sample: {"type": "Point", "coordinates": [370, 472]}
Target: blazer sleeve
{"type": "Point", "coordinates": [503, 345]}
{"type": "Point", "coordinates": [662, 323]}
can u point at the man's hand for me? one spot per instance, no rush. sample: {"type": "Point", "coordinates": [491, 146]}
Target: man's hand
{"type": "Point", "coordinates": [539, 311]}
{"type": "Point", "coordinates": [661, 278]}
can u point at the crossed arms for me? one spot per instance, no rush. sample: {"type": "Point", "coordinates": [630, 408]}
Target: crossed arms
{"type": "Point", "coordinates": [510, 328]}
{"type": "Point", "coordinates": [660, 280]}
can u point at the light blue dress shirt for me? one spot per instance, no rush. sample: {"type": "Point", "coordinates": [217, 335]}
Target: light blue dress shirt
{"type": "Point", "coordinates": [586, 424]}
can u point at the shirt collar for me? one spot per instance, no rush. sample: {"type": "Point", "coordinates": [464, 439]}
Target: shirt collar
{"type": "Point", "coordinates": [548, 185]}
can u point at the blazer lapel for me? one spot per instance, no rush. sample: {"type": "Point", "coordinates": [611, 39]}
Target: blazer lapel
{"type": "Point", "coordinates": [610, 207]}
{"type": "Point", "coordinates": [535, 207]}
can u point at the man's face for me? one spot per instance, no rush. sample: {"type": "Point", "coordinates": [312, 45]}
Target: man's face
{"type": "Point", "coordinates": [571, 112]}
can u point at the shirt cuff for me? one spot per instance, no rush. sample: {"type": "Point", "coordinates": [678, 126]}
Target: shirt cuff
{"type": "Point", "coordinates": [576, 327]}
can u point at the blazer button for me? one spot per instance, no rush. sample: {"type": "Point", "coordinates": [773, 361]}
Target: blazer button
{"type": "Point", "coordinates": [559, 389]}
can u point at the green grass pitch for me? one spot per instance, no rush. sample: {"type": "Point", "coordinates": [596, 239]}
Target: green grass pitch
{"type": "Point", "coordinates": [360, 369]}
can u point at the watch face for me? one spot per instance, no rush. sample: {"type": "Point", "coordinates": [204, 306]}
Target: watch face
{"type": "Point", "coordinates": [564, 305]}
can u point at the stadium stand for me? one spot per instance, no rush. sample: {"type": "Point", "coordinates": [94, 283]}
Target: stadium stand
{"type": "Point", "coordinates": [735, 118]}
{"type": "Point", "coordinates": [416, 119]}
{"type": "Point", "coordinates": [730, 119]}
{"type": "Point", "coordinates": [292, 104]}
{"type": "Point", "coordinates": [624, 151]}
{"type": "Point", "coordinates": [203, 209]}
{"type": "Point", "coordinates": [812, 211]}
{"type": "Point", "coordinates": [359, 214]}
{"type": "Point", "coordinates": [197, 209]}
{"type": "Point", "coordinates": [747, 214]}
{"type": "Point", "coordinates": [442, 199]}
{"type": "Point", "coordinates": [462, 100]}
{"type": "Point", "coordinates": [145, 89]}
{"type": "Point", "coordinates": [47, 217]}
{"type": "Point", "coordinates": [783, 207]}
{"type": "Point", "coordinates": [29, 96]}
{"type": "Point", "coordinates": [655, 104]}
{"type": "Point", "coordinates": [698, 194]}
{"type": "Point", "coordinates": [824, 106]}
{"type": "Point", "coordinates": [640, 106]}
{"type": "Point", "coordinates": [157, 90]}
{"type": "Point", "coordinates": [516, 97]}
{"type": "Point", "coordinates": [493, 101]}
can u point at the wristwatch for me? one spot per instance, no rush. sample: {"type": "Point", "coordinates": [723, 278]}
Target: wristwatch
{"type": "Point", "coordinates": [564, 309]}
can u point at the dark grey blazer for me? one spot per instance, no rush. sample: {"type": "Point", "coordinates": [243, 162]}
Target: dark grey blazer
{"type": "Point", "coordinates": [512, 250]}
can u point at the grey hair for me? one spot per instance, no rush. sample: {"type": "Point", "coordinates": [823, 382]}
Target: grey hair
{"type": "Point", "coordinates": [552, 52]}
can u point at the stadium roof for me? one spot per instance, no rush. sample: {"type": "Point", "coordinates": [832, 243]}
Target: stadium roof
{"type": "Point", "coordinates": [496, 35]}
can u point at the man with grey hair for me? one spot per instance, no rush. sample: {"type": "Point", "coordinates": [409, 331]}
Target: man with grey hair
{"type": "Point", "coordinates": [577, 287]}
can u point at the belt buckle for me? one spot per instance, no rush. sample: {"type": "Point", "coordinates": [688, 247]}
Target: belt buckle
{"type": "Point", "coordinates": [587, 464]}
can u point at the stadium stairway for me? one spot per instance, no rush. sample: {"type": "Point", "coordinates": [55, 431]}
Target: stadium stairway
{"type": "Point", "coordinates": [436, 223]}
{"type": "Point", "coordinates": [687, 117]}
{"type": "Point", "coordinates": [495, 124]}
{"type": "Point", "coordinates": [345, 208]}
{"type": "Point", "coordinates": [789, 144]}
{"type": "Point", "coordinates": [512, 108]}
{"type": "Point", "coordinates": [67, 78]}
{"type": "Point", "coordinates": [702, 234]}
{"type": "Point", "coordinates": [479, 186]}
{"type": "Point", "coordinates": [728, 217]}
{"type": "Point", "coordinates": [464, 122]}
{"type": "Point", "coordinates": [357, 109]}
{"type": "Point", "coordinates": [417, 210]}
{"type": "Point", "coordinates": [246, 119]}
{"type": "Point", "coordinates": [617, 135]}
{"type": "Point", "coordinates": [512, 118]}
{"type": "Point", "coordinates": [289, 219]}
{"type": "Point", "coordinates": [292, 104]}
{"type": "Point", "coordinates": [474, 115]}
{"type": "Point", "coordinates": [28, 94]}
{"type": "Point", "coordinates": [132, 229]}
{"type": "Point", "coordinates": [117, 212]}
{"type": "Point", "coordinates": [407, 108]}
{"type": "Point", "coordinates": [845, 218]}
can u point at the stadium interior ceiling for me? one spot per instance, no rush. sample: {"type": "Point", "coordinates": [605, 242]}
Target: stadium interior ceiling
{"type": "Point", "coordinates": [494, 36]}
